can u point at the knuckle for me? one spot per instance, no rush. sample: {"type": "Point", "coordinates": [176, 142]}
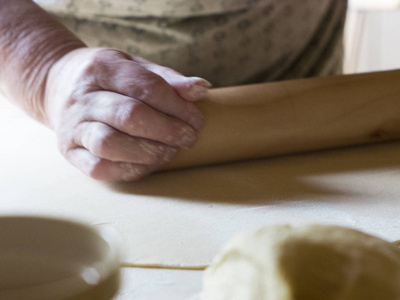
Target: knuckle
{"type": "Point", "coordinates": [173, 135]}
{"type": "Point", "coordinates": [103, 146]}
{"type": "Point", "coordinates": [97, 170]}
{"type": "Point", "coordinates": [95, 63]}
{"type": "Point", "coordinates": [91, 165]}
{"type": "Point", "coordinates": [100, 140]}
{"type": "Point", "coordinates": [155, 80]}
{"type": "Point", "coordinates": [131, 114]}
{"type": "Point", "coordinates": [102, 61]}
{"type": "Point", "coordinates": [64, 143]}
{"type": "Point", "coordinates": [105, 54]}
{"type": "Point", "coordinates": [63, 148]}
{"type": "Point", "coordinates": [148, 85]}
{"type": "Point", "coordinates": [181, 135]}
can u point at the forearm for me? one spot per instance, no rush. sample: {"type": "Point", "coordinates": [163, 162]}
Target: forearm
{"type": "Point", "coordinates": [30, 42]}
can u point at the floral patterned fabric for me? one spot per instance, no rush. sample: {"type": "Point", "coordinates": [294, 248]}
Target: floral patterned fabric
{"type": "Point", "coordinates": [228, 42]}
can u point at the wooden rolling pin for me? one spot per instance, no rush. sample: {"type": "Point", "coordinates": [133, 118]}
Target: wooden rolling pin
{"type": "Point", "coordinates": [260, 120]}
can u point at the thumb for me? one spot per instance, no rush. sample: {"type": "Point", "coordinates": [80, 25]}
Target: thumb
{"type": "Point", "coordinates": [189, 88]}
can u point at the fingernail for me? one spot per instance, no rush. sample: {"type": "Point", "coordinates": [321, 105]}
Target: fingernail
{"type": "Point", "coordinates": [150, 147]}
{"type": "Point", "coordinates": [169, 154]}
{"type": "Point", "coordinates": [200, 81]}
{"type": "Point", "coordinates": [166, 153]}
{"type": "Point", "coordinates": [187, 137]}
{"type": "Point", "coordinates": [197, 92]}
{"type": "Point", "coordinates": [197, 87]}
{"type": "Point", "coordinates": [132, 172]}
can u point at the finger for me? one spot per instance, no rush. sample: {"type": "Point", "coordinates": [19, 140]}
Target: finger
{"type": "Point", "coordinates": [105, 170]}
{"type": "Point", "coordinates": [189, 88]}
{"type": "Point", "coordinates": [137, 119]}
{"type": "Point", "coordinates": [129, 78]}
{"type": "Point", "coordinates": [107, 143]}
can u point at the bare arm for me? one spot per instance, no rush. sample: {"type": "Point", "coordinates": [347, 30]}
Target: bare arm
{"type": "Point", "coordinates": [116, 116]}
{"type": "Point", "coordinates": [31, 41]}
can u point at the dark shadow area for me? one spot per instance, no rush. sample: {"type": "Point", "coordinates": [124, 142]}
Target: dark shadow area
{"type": "Point", "coordinates": [259, 182]}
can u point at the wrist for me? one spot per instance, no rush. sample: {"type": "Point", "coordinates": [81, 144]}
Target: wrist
{"type": "Point", "coordinates": [35, 83]}
{"type": "Point", "coordinates": [31, 41]}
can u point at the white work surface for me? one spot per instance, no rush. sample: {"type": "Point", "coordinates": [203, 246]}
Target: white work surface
{"type": "Point", "coordinates": [182, 218]}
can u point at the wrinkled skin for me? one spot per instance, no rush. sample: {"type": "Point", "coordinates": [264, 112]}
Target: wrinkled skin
{"type": "Point", "coordinates": [119, 117]}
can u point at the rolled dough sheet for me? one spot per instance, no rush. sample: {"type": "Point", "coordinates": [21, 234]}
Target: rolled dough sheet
{"type": "Point", "coordinates": [182, 218]}
{"type": "Point", "coordinates": [150, 284]}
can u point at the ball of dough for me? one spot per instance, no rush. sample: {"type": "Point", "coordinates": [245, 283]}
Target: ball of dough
{"type": "Point", "coordinates": [309, 262]}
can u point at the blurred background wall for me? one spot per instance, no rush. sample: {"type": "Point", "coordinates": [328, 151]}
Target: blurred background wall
{"type": "Point", "coordinates": [372, 37]}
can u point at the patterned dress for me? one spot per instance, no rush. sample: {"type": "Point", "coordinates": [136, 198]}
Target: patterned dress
{"type": "Point", "coordinates": [228, 42]}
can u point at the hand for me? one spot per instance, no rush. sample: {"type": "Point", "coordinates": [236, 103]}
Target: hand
{"type": "Point", "coordinates": [118, 117]}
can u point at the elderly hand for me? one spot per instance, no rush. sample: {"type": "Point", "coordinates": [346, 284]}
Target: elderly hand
{"type": "Point", "coordinates": [119, 117]}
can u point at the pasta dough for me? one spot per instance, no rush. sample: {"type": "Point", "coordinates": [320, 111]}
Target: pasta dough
{"type": "Point", "coordinates": [306, 262]}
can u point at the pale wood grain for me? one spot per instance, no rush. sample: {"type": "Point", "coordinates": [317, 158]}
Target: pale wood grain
{"type": "Point", "coordinates": [267, 119]}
